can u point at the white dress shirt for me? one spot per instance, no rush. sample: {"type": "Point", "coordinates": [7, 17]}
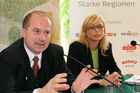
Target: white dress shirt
{"type": "Point", "coordinates": [31, 56]}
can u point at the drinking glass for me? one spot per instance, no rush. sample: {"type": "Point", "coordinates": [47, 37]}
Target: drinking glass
{"type": "Point", "coordinates": [136, 86]}
{"type": "Point", "coordinates": [110, 89]}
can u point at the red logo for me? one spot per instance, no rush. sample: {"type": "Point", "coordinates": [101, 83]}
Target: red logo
{"type": "Point", "coordinates": [109, 34]}
{"type": "Point", "coordinates": [129, 61]}
{"type": "Point", "coordinates": [129, 47]}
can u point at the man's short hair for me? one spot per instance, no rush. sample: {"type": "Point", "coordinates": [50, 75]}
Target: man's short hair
{"type": "Point", "coordinates": [26, 20]}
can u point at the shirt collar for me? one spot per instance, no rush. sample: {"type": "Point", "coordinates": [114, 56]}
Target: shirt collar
{"type": "Point", "coordinates": [31, 55]}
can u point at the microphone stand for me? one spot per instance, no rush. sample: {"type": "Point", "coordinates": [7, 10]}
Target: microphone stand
{"type": "Point", "coordinates": [134, 43]}
{"type": "Point", "coordinates": [138, 44]}
{"type": "Point", "coordinates": [95, 73]}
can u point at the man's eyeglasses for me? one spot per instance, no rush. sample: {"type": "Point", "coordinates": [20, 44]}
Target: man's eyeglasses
{"type": "Point", "coordinates": [97, 28]}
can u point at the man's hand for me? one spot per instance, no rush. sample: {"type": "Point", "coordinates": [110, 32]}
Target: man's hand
{"type": "Point", "coordinates": [83, 80]}
{"type": "Point", "coordinates": [55, 84]}
{"type": "Point", "coordinates": [114, 77]}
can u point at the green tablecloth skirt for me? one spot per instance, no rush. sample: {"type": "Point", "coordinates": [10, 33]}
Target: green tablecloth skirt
{"type": "Point", "coordinates": [125, 88]}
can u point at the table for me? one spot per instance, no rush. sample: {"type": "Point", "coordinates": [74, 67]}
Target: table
{"type": "Point", "coordinates": [125, 87]}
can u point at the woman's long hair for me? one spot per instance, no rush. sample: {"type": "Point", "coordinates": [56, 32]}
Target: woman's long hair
{"type": "Point", "coordinates": [88, 22]}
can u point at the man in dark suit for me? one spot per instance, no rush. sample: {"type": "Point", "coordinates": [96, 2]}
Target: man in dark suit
{"type": "Point", "coordinates": [20, 73]}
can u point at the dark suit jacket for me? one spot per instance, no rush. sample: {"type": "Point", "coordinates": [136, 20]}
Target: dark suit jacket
{"type": "Point", "coordinates": [82, 53]}
{"type": "Point", "coordinates": [16, 75]}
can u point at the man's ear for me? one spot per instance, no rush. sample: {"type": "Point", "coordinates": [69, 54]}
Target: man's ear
{"type": "Point", "coordinates": [23, 32]}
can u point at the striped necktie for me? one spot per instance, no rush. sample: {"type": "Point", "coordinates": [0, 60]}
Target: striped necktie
{"type": "Point", "coordinates": [35, 67]}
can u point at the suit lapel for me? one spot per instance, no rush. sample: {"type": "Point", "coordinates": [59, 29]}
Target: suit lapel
{"type": "Point", "coordinates": [44, 73]}
{"type": "Point", "coordinates": [89, 57]}
{"type": "Point", "coordinates": [30, 82]}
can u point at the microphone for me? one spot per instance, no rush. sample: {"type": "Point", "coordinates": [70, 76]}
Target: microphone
{"type": "Point", "coordinates": [94, 72]}
{"type": "Point", "coordinates": [134, 43]}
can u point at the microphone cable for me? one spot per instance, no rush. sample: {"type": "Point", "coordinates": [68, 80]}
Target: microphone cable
{"type": "Point", "coordinates": [94, 72]}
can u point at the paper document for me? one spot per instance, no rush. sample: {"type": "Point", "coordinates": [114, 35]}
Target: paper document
{"type": "Point", "coordinates": [133, 80]}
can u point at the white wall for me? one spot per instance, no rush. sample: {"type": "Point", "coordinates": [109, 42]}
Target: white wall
{"type": "Point", "coordinates": [122, 19]}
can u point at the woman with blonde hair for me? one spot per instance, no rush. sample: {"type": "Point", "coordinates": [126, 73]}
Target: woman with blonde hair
{"type": "Point", "coordinates": [93, 49]}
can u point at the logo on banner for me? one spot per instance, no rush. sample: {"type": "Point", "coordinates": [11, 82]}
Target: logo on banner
{"type": "Point", "coordinates": [129, 47]}
{"type": "Point", "coordinates": [130, 33]}
{"type": "Point", "coordinates": [77, 34]}
{"type": "Point", "coordinates": [129, 63]}
{"type": "Point", "coordinates": [111, 34]}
